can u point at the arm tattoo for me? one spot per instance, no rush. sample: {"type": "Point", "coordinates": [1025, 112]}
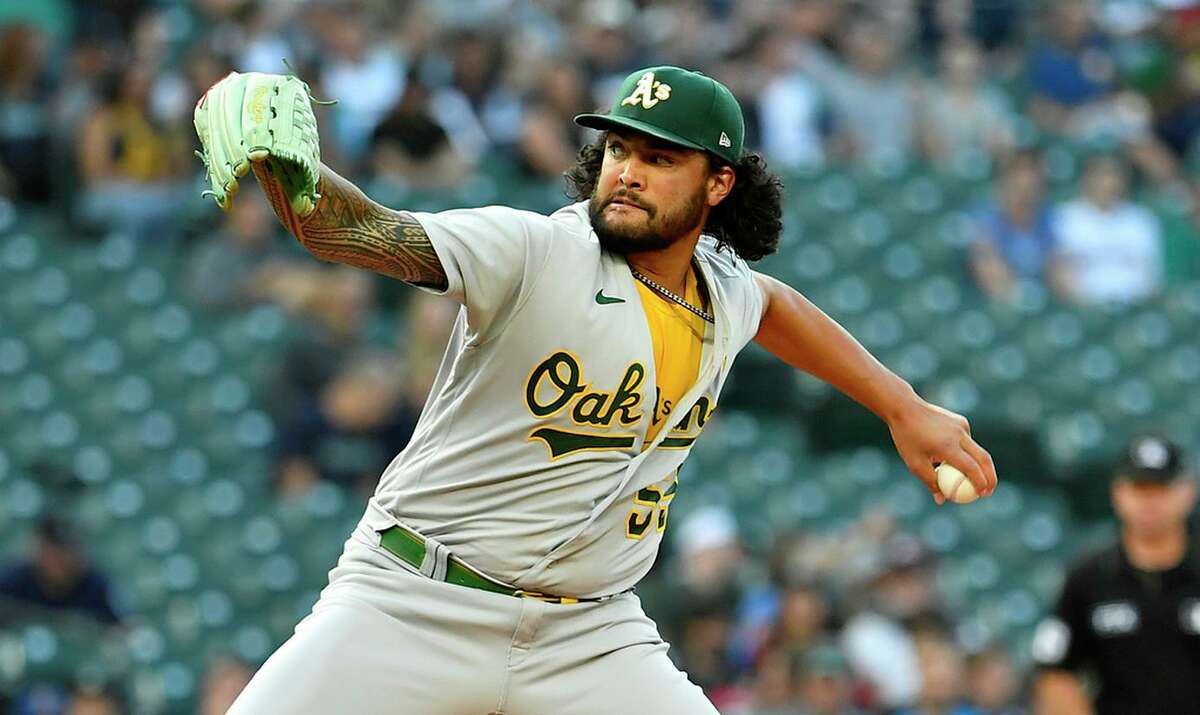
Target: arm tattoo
{"type": "Point", "coordinates": [347, 227]}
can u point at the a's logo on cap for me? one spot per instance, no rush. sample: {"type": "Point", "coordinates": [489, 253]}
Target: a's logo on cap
{"type": "Point", "coordinates": [1150, 453]}
{"type": "Point", "coordinates": [724, 140]}
{"type": "Point", "coordinates": [648, 92]}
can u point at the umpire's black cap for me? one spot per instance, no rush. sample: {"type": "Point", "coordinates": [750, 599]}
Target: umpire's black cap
{"type": "Point", "coordinates": [1151, 457]}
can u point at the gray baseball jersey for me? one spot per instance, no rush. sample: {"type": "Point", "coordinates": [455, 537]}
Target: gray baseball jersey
{"type": "Point", "coordinates": [529, 461]}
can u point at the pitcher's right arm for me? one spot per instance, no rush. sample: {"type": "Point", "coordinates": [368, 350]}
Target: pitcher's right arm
{"type": "Point", "coordinates": [265, 123]}
{"type": "Point", "coordinates": [348, 227]}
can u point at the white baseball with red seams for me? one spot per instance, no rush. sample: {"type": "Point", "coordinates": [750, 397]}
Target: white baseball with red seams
{"type": "Point", "coordinates": [954, 485]}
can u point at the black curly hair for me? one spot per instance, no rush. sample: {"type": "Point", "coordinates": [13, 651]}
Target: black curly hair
{"type": "Point", "coordinates": [748, 220]}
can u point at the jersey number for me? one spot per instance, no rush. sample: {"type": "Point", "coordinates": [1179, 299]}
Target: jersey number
{"type": "Point", "coordinates": [650, 507]}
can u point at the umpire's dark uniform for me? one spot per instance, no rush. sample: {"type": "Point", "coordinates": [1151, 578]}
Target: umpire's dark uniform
{"type": "Point", "coordinates": [1137, 632]}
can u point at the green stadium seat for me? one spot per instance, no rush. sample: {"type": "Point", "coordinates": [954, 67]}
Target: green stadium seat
{"type": "Point", "coordinates": [805, 504]}
{"type": "Point", "coordinates": [878, 175]}
{"type": "Point", "coordinates": [903, 497]}
{"type": "Point", "coordinates": [1041, 531]}
{"type": "Point", "coordinates": [997, 366]}
{"type": "Point", "coordinates": [958, 393]}
{"type": "Point", "coordinates": [941, 530]}
{"type": "Point", "coordinates": [1021, 608]}
{"type": "Point", "coordinates": [983, 570]}
{"type": "Point", "coordinates": [953, 582]}
{"type": "Point", "coordinates": [880, 330]}
{"type": "Point", "coordinates": [1176, 372]}
{"type": "Point", "coordinates": [812, 264]}
{"type": "Point", "coordinates": [1129, 401]}
{"type": "Point", "coordinates": [179, 682]}
{"type": "Point", "coordinates": [847, 295]}
{"type": "Point", "coordinates": [19, 253]}
{"type": "Point", "coordinates": [1067, 436]}
{"type": "Point", "coordinates": [252, 642]}
{"type": "Point", "coordinates": [915, 361]}
{"type": "Point", "coordinates": [24, 498]}
{"type": "Point", "coordinates": [902, 262]}
{"type": "Point", "coordinates": [1183, 306]}
{"type": "Point", "coordinates": [117, 252]}
{"type": "Point", "coordinates": [59, 431]}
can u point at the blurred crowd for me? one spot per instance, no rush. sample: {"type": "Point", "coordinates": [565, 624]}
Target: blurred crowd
{"type": "Point", "coordinates": [95, 128]}
{"type": "Point", "coordinates": [847, 622]}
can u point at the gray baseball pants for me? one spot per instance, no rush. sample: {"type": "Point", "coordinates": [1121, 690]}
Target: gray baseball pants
{"type": "Point", "coordinates": [385, 639]}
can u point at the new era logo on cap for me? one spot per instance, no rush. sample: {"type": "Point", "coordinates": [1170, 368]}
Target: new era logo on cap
{"type": "Point", "coordinates": [724, 140]}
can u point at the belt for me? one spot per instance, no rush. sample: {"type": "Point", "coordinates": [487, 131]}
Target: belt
{"type": "Point", "coordinates": [409, 547]}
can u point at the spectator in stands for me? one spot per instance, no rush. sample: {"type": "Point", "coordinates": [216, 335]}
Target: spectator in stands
{"type": "Point", "coordinates": [773, 691]}
{"type": "Point", "coordinates": [89, 701]}
{"type": "Point", "coordinates": [336, 305]}
{"type": "Point", "coordinates": [1177, 97]}
{"type": "Point", "coordinates": [905, 589]}
{"type": "Point", "coordinates": [609, 46]}
{"type": "Point", "coordinates": [992, 683]}
{"type": "Point", "coordinates": [709, 552]}
{"type": "Point", "coordinates": [175, 88]}
{"type": "Point", "coordinates": [701, 641]}
{"type": "Point", "coordinates": [879, 640]}
{"type": "Point", "coordinates": [112, 21]}
{"type": "Point", "coordinates": [224, 271]}
{"type": "Point", "coordinates": [1072, 70]}
{"type": "Point", "coordinates": [1107, 247]}
{"type": "Point", "coordinates": [410, 148]}
{"type": "Point", "coordinates": [549, 137]}
{"type": "Point", "coordinates": [803, 617]}
{"type": "Point", "coordinates": [824, 685]}
{"type": "Point", "coordinates": [759, 606]}
{"type": "Point", "coordinates": [356, 426]}
{"type": "Point", "coordinates": [25, 157]}
{"type": "Point", "coordinates": [364, 74]}
{"type": "Point", "coordinates": [222, 682]}
{"type": "Point", "coordinates": [131, 165]}
{"type": "Point", "coordinates": [59, 576]}
{"type": "Point", "coordinates": [477, 109]}
{"type": "Point", "coordinates": [265, 41]}
{"type": "Point", "coordinates": [706, 584]}
{"type": "Point", "coordinates": [1013, 238]}
{"type": "Point", "coordinates": [1076, 94]}
{"type": "Point", "coordinates": [791, 110]}
{"type": "Point", "coordinates": [960, 111]}
{"type": "Point", "coordinates": [40, 699]}
{"type": "Point", "coordinates": [428, 320]}
{"type": "Point", "coordinates": [993, 24]}
{"type": "Point", "coordinates": [942, 676]}
{"type": "Point", "coordinates": [872, 75]}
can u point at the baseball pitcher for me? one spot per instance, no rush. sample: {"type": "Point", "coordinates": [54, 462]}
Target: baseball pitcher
{"type": "Point", "coordinates": [493, 570]}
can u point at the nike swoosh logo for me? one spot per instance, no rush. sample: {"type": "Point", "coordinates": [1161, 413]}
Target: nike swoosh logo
{"type": "Point", "coordinates": [607, 300]}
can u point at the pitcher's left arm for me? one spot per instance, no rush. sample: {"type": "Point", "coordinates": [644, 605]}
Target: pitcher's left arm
{"type": "Point", "coordinates": [800, 334]}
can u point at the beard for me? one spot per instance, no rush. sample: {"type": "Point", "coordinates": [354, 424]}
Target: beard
{"type": "Point", "coordinates": [656, 233]}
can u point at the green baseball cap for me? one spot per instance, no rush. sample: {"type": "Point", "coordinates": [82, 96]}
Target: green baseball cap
{"type": "Point", "coordinates": [678, 106]}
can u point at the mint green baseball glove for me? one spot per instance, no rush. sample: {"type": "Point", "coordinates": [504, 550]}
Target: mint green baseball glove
{"type": "Point", "coordinates": [251, 117]}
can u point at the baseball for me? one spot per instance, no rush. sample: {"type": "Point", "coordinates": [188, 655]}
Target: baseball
{"type": "Point", "coordinates": [955, 486]}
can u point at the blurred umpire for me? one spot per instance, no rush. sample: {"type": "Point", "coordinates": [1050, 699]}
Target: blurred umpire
{"type": "Point", "coordinates": [1129, 615]}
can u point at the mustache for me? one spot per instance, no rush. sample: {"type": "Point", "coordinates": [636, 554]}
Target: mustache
{"type": "Point", "coordinates": [626, 197]}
